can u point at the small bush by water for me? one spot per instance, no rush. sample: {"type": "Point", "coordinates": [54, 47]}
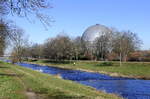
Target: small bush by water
{"type": "Point", "coordinates": [105, 64]}
{"type": "Point", "coordinates": [31, 60]}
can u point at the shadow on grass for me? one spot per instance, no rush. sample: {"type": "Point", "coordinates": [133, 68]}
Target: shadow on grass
{"type": "Point", "coordinates": [55, 94]}
{"type": "Point", "coordinates": [3, 67]}
{"type": "Point", "coordinates": [66, 97]}
{"type": "Point", "coordinates": [62, 95]}
{"type": "Point", "coordinates": [11, 75]}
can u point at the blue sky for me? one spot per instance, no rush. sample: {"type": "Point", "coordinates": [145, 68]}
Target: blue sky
{"type": "Point", "coordinates": [74, 16]}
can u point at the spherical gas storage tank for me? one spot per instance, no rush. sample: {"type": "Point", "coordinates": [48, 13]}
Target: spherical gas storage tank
{"type": "Point", "coordinates": [93, 32]}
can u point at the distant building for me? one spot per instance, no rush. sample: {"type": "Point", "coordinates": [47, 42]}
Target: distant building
{"type": "Point", "coordinates": [91, 34]}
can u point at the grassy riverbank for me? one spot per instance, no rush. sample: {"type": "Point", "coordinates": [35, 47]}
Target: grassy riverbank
{"type": "Point", "coordinates": [128, 69]}
{"type": "Point", "coordinates": [17, 82]}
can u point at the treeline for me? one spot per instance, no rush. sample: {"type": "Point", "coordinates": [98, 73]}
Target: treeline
{"type": "Point", "coordinates": [113, 47]}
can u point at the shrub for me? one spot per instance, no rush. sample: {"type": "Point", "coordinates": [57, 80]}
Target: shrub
{"type": "Point", "coordinates": [1, 61]}
{"type": "Point", "coordinates": [32, 60]}
{"type": "Point", "coordinates": [105, 64]}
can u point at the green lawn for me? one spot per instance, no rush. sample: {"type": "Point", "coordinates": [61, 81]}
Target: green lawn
{"type": "Point", "coordinates": [17, 82]}
{"type": "Point", "coordinates": [129, 69]}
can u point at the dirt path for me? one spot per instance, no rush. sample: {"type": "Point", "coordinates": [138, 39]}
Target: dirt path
{"type": "Point", "coordinates": [28, 92]}
{"type": "Point", "coordinates": [31, 95]}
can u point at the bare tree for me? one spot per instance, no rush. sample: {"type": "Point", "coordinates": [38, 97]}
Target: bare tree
{"type": "Point", "coordinates": [36, 51]}
{"type": "Point", "coordinates": [4, 34]}
{"type": "Point", "coordinates": [2, 38]}
{"type": "Point", "coordinates": [49, 51]}
{"type": "Point", "coordinates": [125, 43]}
{"type": "Point", "coordinates": [78, 48]}
{"type": "Point", "coordinates": [63, 47]}
{"type": "Point", "coordinates": [19, 44]}
{"type": "Point", "coordinates": [25, 8]}
{"type": "Point", "coordinates": [103, 45]}
{"type": "Point", "coordinates": [59, 48]}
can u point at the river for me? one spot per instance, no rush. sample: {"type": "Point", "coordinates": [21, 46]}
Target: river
{"type": "Point", "coordinates": [126, 87]}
